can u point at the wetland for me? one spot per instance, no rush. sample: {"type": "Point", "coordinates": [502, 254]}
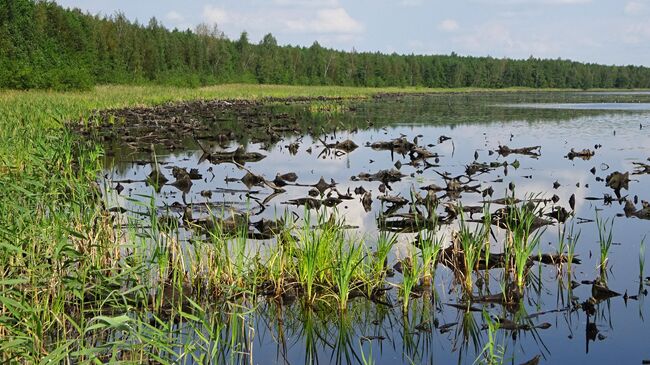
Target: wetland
{"type": "Point", "coordinates": [440, 228]}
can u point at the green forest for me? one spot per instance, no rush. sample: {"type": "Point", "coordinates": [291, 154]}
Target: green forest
{"type": "Point", "coordinates": [45, 46]}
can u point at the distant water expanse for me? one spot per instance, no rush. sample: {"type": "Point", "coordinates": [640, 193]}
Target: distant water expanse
{"type": "Point", "coordinates": [582, 106]}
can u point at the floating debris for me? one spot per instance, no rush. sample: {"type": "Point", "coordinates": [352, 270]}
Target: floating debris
{"type": "Point", "coordinates": [346, 146]}
{"type": "Point", "coordinates": [528, 151]}
{"type": "Point", "coordinates": [585, 154]}
{"type": "Point", "coordinates": [385, 176]}
{"type": "Point", "coordinates": [309, 203]}
{"type": "Point", "coordinates": [618, 181]}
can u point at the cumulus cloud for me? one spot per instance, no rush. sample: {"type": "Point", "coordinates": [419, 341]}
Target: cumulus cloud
{"type": "Point", "coordinates": [335, 20]}
{"type": "Point", "coordinates": [214, 14]}
{"type": "Point", "coordinates": [634, 7]}
{"type": "Point", "coordinates": [544, 2]}
{"type": "Point", "coordinates": [487, 38]}
{"type": "Point", "coordinates": [307, 3]}
{"type": "Point", "coordinates": [636, 33]}
{"type": "Point", "coordinates": [175, 17]}
{"type": "Point", "coordinates": [448, 25]}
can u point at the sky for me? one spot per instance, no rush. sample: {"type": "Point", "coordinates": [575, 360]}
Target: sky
{"type": "Point", "coordinates": [598, 31]}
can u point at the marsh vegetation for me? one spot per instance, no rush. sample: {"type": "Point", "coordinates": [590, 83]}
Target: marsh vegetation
{"type": "Point", "coordinates": [375, 230]}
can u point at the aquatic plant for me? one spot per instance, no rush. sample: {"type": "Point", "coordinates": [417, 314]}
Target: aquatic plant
{"type": "Point", "coordinates": [348, 258]}
{"type": "Point", "coordinates": [471, 242]}
{"type": "Point", "coordinates": [641, 259]}
{"type": "Point", "coordinates": [492, 353]}
{"type": "Point", "coordinates": [377, 261]}
{"type": "Point", "coordinates": [430, 247]}
{"type": "Point", "coordinates": [521, 238]}
{"type": "Point", "coordinates": [310, 257]}
{"type": "Point", "coordinates": [571, 246]}
{"type": "Point", "coordinates": [411, 271]}
{"type": "Point", "coordinates": [605, 238]}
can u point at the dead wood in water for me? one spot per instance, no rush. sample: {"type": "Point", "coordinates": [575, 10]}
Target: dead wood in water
{"type": "Point", "coordinates": [534, 151]}
{"type": "Point", "coordinates": [585, 154]}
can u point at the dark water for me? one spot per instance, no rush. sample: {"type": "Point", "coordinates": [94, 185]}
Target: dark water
{"type": "Point", "coordinates": [618, 122]}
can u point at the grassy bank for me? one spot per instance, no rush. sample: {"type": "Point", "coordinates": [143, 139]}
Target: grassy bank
{"type": "Point", "coordinates": [27, 116]}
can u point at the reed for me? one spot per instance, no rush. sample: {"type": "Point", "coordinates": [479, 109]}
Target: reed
{"type": "Point", "coordinates": [411, 272]}
{"type": "Point", "coordinates": [348, 259]}
{"type": "Point", "coordinates": [521, 240]}
{"type": "Point", "coordinates": [605, 238]}
{"type": "Point", "coordinates": [430, 247]}
{"type": "Point", "coordinates": [471, 243]}
{"type": "Point", "coordinates": [492, 353]}
{"type": "Point", "coordinates": [641, 260]}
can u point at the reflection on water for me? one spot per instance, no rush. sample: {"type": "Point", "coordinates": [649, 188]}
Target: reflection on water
{"type": "Point", "coordinates": [615, 126]}
{"type": "Point", "coordinates": [584, 106]}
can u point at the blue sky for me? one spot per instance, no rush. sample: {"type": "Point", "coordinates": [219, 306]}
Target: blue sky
{"type": "Point", "coordinates": [601, 31]}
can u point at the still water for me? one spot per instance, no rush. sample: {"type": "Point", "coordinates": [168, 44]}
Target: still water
{"type": "Point", "coordinates": [459, 130]}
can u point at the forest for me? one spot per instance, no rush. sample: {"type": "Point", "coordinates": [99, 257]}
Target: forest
{"type": "Point", "coordinates": [46, 46]}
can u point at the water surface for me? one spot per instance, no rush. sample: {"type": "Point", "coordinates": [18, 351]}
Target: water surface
{"type": "Point", "coordinates": [615, 126]}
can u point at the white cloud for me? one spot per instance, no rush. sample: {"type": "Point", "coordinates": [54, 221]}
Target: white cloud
{"type": "Point", "coordinates": [636, 33]}
{"type": "Point", "coordinates": [335, 20]}
{"type": "Point", "coordinates": [307, 3]}
{"type": "Point", "coordinates": [545, 2]}
{"type": "Point", "coordinates": [496, 37]}
{"type": "Point", "coordinates": [634, 7]}
{"type": "Point", "coordinates": [175, 17]}
{"type": "Point", "coordinates": [448, 25]}
{"type": "Point", "coordinates": [214, 14]}
{"type": "Point", "coordinates": [564, 1]}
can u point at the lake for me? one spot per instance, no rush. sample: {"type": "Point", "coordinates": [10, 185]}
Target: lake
{"type": "Point", "coordinates": [471, 152]}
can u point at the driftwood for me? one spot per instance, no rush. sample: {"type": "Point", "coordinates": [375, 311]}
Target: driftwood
{"type": "Point", "coordinates": [528, 151]}
{"type": "Point", "coordinates": [385, 176]}
{"type": "Point", "coordinates": [585, 154]}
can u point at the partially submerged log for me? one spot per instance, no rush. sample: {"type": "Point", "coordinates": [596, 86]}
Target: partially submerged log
{"type": "Point", "coordinates": [584, 154]}
{"type": "Point", "coordinates": [385, 176]}
{"type": "Point", "coordinates": [534, 151]}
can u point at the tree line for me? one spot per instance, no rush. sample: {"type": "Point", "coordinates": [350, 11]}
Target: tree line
{"type": "Point", "coordinates": [43, 45]}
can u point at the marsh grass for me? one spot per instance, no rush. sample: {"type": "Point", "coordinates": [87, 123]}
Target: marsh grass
{"type": "Point", "coordinates": [573, 239]}
{"type": "Point", "coordinates": [641, 260]}
{"type": "Point", "coordinates": [492, 353]}
{"type": "Point", "coordinates": [605, 239]}
{"type": "Point", "coordinates": [521, 238]}
{"type": "Point", "coordinates": [76, 289]}
{"type": "Point", "coordinates": [377, 262]}
{"type": "Point", "coordinates": [411, 273]}
{"type": "Point", "coordinates": [311, 257]}
{"type": "Point", "coordinates": [347, 263]}
{"type": "Point", "coordinates": [430, 247]}
{"type": "Point", "coordinates": [471, 242]}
